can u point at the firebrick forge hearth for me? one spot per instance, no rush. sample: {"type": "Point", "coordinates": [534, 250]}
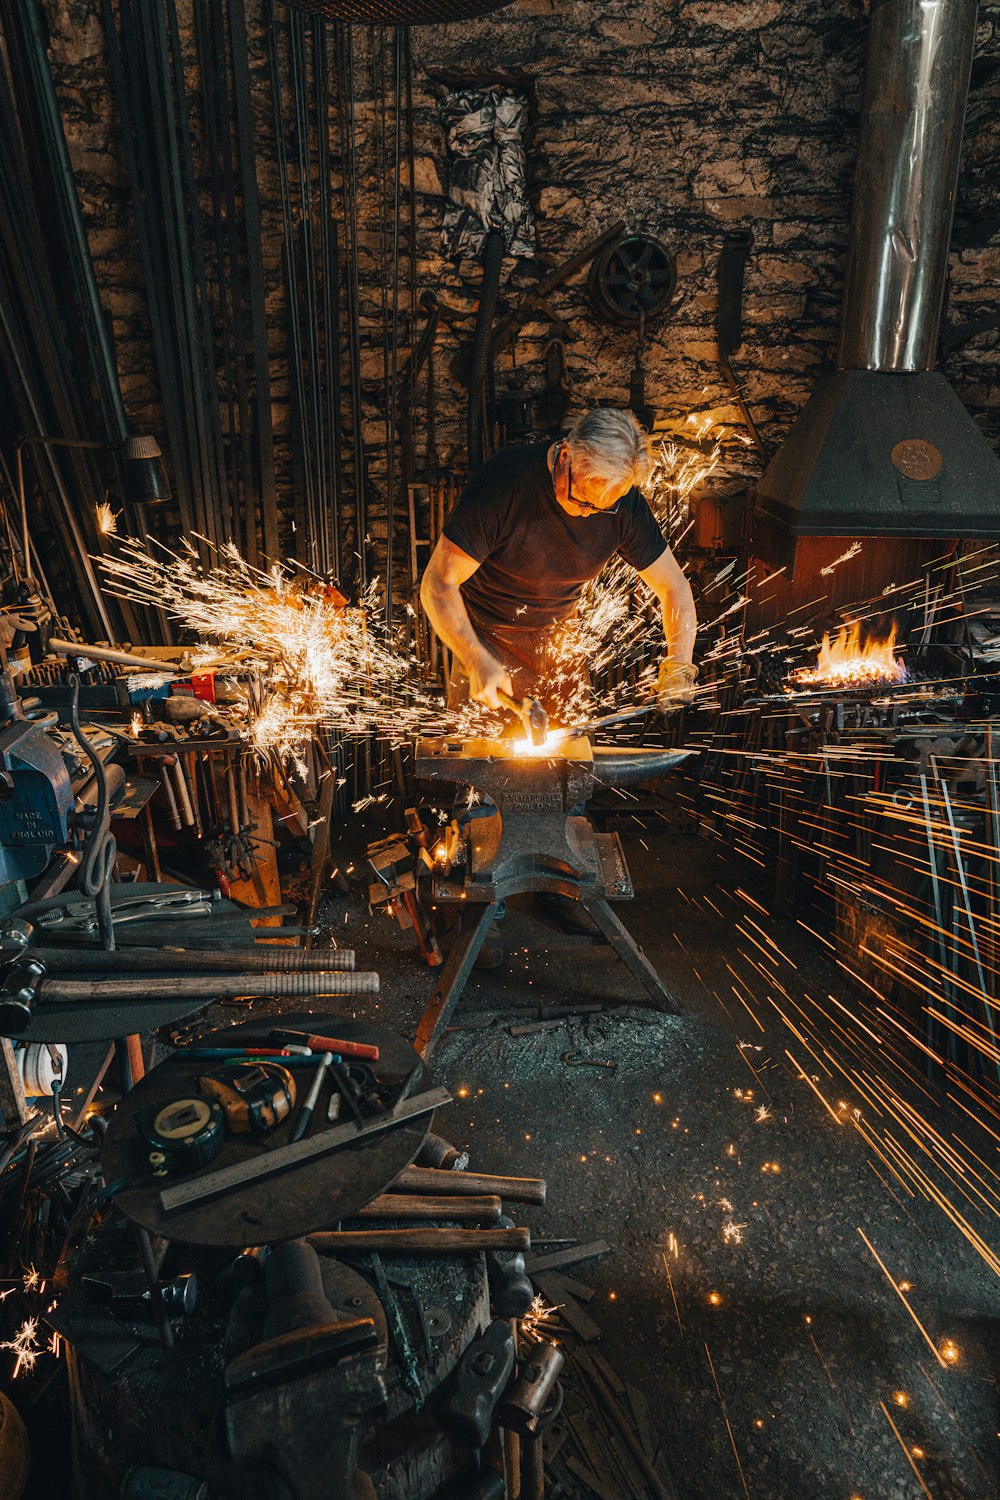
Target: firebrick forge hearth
{"type": "Point", "coordinates": [407, 1161]}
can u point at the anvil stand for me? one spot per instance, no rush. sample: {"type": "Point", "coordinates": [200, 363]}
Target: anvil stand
{"type": "Point", "coordinates": [537, 840]}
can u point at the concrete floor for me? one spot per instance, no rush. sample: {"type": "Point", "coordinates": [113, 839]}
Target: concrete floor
{"type": "Point", "coordinates": [776, 1351]}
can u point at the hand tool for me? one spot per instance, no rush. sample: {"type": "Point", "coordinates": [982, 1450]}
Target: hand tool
{"type": "Point", "coordinates": [16, 996]}
{"type": "Point", "coordinates": [607, 1402]}
{"type": "Point", "coordinates": [434, 1180]}
{"type": "Point", "coordinates": [127, 1291]}
{"type": "Point", "coordinates": [263, 960]}
{"type": "Point", "coordinates": [182, 1134]}
{"type": "Point", "coordinates": [478, 1382]}
{"type": "Point", "coordinates": [511, 1293]}
{"type": "Point", "coordinates": [419, 1241]}
{"type": "Point", "coordinates": [577, 1060]}
{"type": "Point", "coordinates": [325, 1044]}
{"type": "Point", "coordinates": [346, 1088]}
{"type": "Point", "coordinates": [77, 915]}
{"type": "Point", "coordinates": [104, 653]}
{"type": "Point", "coordinates": [397, 1328]}
{"type": "Point", "coordinates": [527, 1397]}
{"type": "Point", "coordinates": [314, 1148]}
{"type": "Point", "coordinates": [480, 1210]}
{"type": "Point", "coordinates": [440, 1155]}
{"type": "Point", "coordinates": [248, 1052]}
{"type": "Point", "coordinates": [306, 1112]}
{"type": "Point", "coordinates": [532, 716]}
{"type": "Point", "coordinates": [255, 1096]}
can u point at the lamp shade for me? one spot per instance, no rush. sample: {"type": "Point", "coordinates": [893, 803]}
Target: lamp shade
{"type": "Point", "coordinates": [146, 481]}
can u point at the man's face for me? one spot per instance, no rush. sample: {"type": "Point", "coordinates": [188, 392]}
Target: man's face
{"type": "Point", "coordinates": [582, 494]}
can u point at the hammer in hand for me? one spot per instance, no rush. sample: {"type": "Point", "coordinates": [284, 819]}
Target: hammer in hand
{"type": "Point", "coordinates": [531, 713]}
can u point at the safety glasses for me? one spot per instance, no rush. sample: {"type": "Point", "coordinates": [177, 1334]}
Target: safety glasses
{"type": "Point", "coordinates": [585, 505]}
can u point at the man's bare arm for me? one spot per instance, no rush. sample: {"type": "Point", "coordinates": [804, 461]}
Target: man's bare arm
{"type": "Point", "coordinates": [440, 595]}
{"type": "Point", "coordinates": [680, 620]}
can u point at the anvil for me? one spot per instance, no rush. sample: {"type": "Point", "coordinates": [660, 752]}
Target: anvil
{"type": "Point", "coordinates": [537, 840]}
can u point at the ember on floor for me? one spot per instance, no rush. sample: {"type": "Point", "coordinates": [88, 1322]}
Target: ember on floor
{"type": "Point", "coordinates": [499, 750]}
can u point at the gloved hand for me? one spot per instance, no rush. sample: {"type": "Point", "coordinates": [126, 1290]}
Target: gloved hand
{"type": "Point", "coordinates": [675, 684]}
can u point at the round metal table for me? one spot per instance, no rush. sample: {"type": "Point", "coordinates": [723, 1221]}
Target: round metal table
{"type": "Point", "coordinates": [310, 1196]}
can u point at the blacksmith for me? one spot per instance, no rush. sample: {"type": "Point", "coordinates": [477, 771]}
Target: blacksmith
{"type": "Point", "coordinates": [531, 528]}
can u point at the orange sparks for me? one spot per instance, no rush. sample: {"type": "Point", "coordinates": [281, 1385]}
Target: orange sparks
{"type": "Point", "coordinates": [902, 1297]}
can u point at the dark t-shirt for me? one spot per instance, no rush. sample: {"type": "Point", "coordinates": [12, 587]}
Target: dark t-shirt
{"type": "Point", "coordinates": [534, 558]}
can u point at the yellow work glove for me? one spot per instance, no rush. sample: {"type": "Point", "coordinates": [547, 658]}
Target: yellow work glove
{"type": "Point", "coordinates": [675, 684]}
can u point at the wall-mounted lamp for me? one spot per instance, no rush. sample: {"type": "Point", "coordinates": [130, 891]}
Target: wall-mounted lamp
{"type": "Point", "coordinates": [146, 480]}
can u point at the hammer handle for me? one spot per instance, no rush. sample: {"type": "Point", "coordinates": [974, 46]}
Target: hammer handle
{"type": "Point", "coordinates": [273, 960]}
{"type": "Point", "coordinates": [485, 1210]}
{"type": "Point", "coordinates": [509, 702]}
{"type": "Point", "coordinates": [438, 1180]}
{"type": "Point", "coordinates": [197, 986]}
{"type": "Point", "coordinates": [419, 1241]}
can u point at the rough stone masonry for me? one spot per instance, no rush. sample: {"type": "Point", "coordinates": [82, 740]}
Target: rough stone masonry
{"type": "Point", "coordinates": [687, 118]}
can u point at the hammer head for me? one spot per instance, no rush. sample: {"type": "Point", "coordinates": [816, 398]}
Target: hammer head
{"type": "Point", "coordinates": [536, 721]}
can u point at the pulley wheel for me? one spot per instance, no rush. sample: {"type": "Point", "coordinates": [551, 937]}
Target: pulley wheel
{"type": "Point", "coordinates": [633, 279]}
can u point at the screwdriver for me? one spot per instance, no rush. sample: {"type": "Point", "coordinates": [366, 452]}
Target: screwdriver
{"type": "Point", "coordinates": [326, 1044]}
{"type": "Point", "coordinates": [305, 1113]}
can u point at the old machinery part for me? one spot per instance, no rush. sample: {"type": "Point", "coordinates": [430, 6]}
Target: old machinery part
{"type": "Point", "coordinates": [733, 258]}
{"type": "Point", "coordinates": [182, 1134]}
{"type": "Point", "coordinates": [633, 279]}
{"type": "Point", "coordinates": [493, 253]}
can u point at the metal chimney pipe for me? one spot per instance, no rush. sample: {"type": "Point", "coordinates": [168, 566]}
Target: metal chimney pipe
{"type": "Point", "coordinates": [912, 115]}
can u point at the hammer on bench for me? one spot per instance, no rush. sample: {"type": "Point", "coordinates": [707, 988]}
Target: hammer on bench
{"type": "Point", "coordinates": [531, 713]}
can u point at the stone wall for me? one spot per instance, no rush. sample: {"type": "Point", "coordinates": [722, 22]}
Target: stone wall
{"type": "Point", "coordinates": [687, 118]}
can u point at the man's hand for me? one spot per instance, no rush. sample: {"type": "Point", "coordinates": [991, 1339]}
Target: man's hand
{"type": "Point", "coordinates": [486, 676]}
{"type": "Point", "coordinates": [675, 684]}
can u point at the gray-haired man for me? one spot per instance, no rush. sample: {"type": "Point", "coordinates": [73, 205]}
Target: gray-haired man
{"type": "Point", "coordinates": [531, 528]}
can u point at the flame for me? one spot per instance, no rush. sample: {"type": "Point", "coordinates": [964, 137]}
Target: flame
{"type": "Point", "coordinates": [850, 662]}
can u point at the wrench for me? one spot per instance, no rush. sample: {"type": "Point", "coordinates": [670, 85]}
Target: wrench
{"type": "Point", "coordinates": [577, 1060]}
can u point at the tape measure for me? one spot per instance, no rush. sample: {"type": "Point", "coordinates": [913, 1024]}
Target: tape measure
{"type": "Point", "coordinates": [255, 1097]}
{"type": "Point", "coordinates": [182, 1134]}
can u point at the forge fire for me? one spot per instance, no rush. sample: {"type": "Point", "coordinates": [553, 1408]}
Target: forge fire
{"type": "Point", "coordinates": [851, 661]}
{"type": "Point", "coordinates": [499, 772]}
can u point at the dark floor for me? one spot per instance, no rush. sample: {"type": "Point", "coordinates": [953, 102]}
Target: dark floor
{"type": "Point", "coordinates": [776, 1350]}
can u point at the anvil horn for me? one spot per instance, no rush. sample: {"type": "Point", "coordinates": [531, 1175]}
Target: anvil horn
{"type": "Point", "coordinates": [616, 765]}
